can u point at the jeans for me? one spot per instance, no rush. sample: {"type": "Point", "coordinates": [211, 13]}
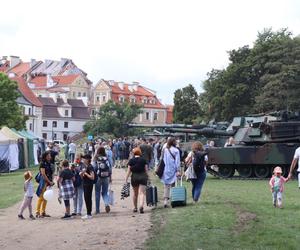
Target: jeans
{"type": "Point", "coordinates": [71, 157]}
{"type": "Point", "coordinates": [88, 191]}
{"type": "Point", "coordinates": [197, 186]}
{"type": "Point", "coordinates": [78, 199]}
{"type": "Point", "coordinates": [101, 186]}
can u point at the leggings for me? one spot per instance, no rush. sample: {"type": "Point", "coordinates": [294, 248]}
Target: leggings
{"type": "Point", "coordinates": [88, 190]}
{"type": "Point", "coordinates": [27, 202]}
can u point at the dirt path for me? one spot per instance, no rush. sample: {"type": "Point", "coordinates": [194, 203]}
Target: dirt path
{"type": "Point", "coordinates": [120, 229]}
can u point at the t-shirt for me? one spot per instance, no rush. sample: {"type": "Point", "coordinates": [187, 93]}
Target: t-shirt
{"type": "Point", "coordinates": [66, 174]}
{"type": "Point", "coordinates": [72, 148]}
{"type": "Point", "coordinates": [137, 165]}
{"type": "Point", "coordinates": [29, 190]}
{"type": "Point", "coordinates": [53, 154]}
{"type": "Point", "coordinates": [86, 180]}
{"type": "Point", "coordinates": [297, 156]}
{"type": "Point", "coordinates": [48, 169]}
{"type": "Point", "coordinates": [276, 184]}
{"type": "Point", "coordinates": [146, 152]}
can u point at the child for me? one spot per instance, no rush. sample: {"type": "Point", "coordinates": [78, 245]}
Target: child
{"type": "Point", "coordinates": [29, 191]}
{"type": "Point", "coordinates": [277, 186]}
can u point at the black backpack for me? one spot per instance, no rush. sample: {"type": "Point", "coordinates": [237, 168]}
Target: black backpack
{"type": "Point", "coordinates": [199, 161]}
{"type": "Point", "coordinates": [103, 167]}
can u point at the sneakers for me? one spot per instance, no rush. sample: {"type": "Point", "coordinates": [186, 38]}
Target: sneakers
{"type": "Point", "coordinates": [31, 217]}
{"type": "Point", "coordinates": [135, 210]}
{"type": "Point", "coordinates": [67, 216]}
{"type": "Point", "coordinates": [86, 217]}
{"type": "Point", "coordinates": [20, 216]}
{"type": "Point", "coordinates": [73, 214]}
{"type": "Point", "coordinates": [45, 215]}
{"type": "Point", "coordinates": [107, 209]}
{"type": "Point", "coordinates": [141, 210]}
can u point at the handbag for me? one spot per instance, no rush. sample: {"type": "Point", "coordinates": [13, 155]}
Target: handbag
{"type": "Point", "coordinates": [190, 173]}
{"type": "Point", "coordinates": [160, 166]}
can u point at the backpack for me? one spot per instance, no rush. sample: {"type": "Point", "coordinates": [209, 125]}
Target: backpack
{"type": "Point", "coordinates": [122, 147]}
{"type": "Point", "coordinates": [103, 167]}
{"type": "Point", "coordinates": [199, 161]}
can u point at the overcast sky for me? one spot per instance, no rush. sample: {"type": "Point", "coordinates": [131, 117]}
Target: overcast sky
{"type": "Point", "coordinates": [164, 45]}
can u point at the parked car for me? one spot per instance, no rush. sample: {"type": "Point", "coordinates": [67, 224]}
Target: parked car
{"type": "Point", "coordinates": [60, 143]}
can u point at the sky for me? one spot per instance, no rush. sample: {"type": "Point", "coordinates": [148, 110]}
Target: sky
{"type": "Point", "coordinates": [165, 45]}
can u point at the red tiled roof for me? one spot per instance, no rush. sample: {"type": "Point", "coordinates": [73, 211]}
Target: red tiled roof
{"type": "Point", "coordinates": [41, 81]}
{"type": "Point", "coordinates": [27, 92]}
{"type": "Point", "coordinates": [20, 69]}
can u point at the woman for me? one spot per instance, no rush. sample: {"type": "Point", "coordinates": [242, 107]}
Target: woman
{"type": "Point", "coordinates": [78, 186]}
{"type": "Point", "coordinates": [171, 158]}
{"type": "Point", "coordinates": [103, 170]}
{"type": "Point", "coordinates": [65, 180]}
{"type": "Point", "coordinates": [87, 175]}
{"type": "Point", "coordinates": [197, 158]}
{"type": "Point", "coordinates": [137, 168]}
{"type": "Point", "coordinates": [46, 173]}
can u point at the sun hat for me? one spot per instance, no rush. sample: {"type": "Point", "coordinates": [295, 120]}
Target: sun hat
{"type": "Point", "coordinates": [277, 170]}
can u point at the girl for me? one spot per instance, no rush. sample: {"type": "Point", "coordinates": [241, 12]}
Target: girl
{"type": "Point", "coordinates": [65, 180]}
{"type": "Point", "coordinates": [28, 188]}
{"type": "Point", "coordinates": [277, 186]}
{"type": "Point", "coordinates": [137, 168]}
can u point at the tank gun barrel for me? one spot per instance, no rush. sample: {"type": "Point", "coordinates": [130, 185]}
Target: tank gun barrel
{"type": "Point", "coordinates": [203, 131]}
{"type": "Point", "coordinates": [166, 126]}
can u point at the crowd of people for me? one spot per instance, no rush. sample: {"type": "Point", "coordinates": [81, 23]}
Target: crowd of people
{"type": "Point", "coordinates": [82, 173]}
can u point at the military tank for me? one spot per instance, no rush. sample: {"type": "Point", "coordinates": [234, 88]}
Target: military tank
{"type": "Point", "coordinates": [260, 143]}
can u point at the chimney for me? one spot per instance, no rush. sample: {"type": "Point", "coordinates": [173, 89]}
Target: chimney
{"type": "Point", "coordinates": [14, 60]}
{"type": "Point", "coordinates": [32, 63]}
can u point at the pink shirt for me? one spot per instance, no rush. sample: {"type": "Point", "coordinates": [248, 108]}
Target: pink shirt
{"type": "Point", "coordinates": [281, 182]}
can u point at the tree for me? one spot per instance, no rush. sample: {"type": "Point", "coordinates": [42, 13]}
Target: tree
{"type": "Point", "coordinates": [112, 118]}
{"type": "Point", "coordinates": [186, 105]}
{"type": "Point", "coordinates": [10, 112]}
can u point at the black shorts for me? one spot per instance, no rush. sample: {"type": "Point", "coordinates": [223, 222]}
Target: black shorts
{"type": "Point", "coordinates": [139, 179]}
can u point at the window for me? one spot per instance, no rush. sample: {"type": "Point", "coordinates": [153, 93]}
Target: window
{"type": "Point", "coordinates": [132, 99]}
{"type": "Point", "coordinates": [24, 110]}
{"type": "Point", "coordinates": [144, 100]}
{"type": "Point", "coordinates": [66, 124]}
{"type": "Point", "coordinates": [79, 94]}
{"type": "Point", "coordinates": [155, 117]}
{"type": "Point", "coordinates": [66, 112]}
{"type": "Point", "coordinates": [93, 112]}
{"type": "Point", "coordinates": [147, 115]}
{"type": "Point", "coordinates": [30, 126]}
{"type": "Point", "coordinates": [44, 135]}
{"type": "Point", "coordinates": [65, 137]}
{"type": "Point", "coordinates": [54, 136]}
{"type": "Point", "coordinates": [121, 99]}
{"type": "Point", "coordinates": [74, 94]}
{"type": "Point", "coordinates": [45, 123]}
{"type": "Point", "coordinates": [29, 111]}
{"type": "Point", "coordinates": [54, 124]}
{"type": "Point", "coordinates": [84, 94]}
{"type": "Point", "coordinates": [98, 98]}
{"type": "Point", "coordinates": [103, 98]}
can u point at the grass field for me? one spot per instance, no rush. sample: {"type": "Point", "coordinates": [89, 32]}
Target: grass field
{"type": "Point", "coordinates": [11, 187]}
{"type": "Point", "coordinates": [232, 214]}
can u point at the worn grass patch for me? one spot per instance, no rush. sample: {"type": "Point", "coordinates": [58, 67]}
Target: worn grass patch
{"type": "Point", "coordinates": [11, 187]}
{"type": "Point", "coordinates": [232, 214]}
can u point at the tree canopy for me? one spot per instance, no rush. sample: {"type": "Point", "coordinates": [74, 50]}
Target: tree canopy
{"type": "Point", "coordinates": [10, 112]}
{"type": "Point", "coordinates": [263, 78]}
{"type": "Point", "coordinates": [112, 119]}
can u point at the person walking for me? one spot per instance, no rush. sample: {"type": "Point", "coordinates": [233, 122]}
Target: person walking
{"type": "Point", "coordinates": [172, 168]}
{"type": "Point", "coordinates": [72, 151]}
{"type": "Point", "coordinates": [138, 170]}
{"type": "Point", "coordinates": [87, 175]}
{"type": "Point", "coordinates": [78, 186]}
{"type": "Point", "coordinates": [46, 174]}
{"type": "Point", "coordinates": [197, 158]}
{"type": "Point", "coordinates": [103, 170]}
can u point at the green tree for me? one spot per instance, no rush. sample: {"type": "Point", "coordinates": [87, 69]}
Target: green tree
{"type": "Point", "coordinates": [10, 112]}
{"type": "Point", "coordinates": [112, 119]}
{"type": "Point", "coordinates": [186, 105]}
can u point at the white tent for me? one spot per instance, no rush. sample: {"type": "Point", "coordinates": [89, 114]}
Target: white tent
{"type": "Point", "coordinates": [8, 151]}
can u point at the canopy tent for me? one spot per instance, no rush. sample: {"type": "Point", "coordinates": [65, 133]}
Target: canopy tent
{"type": "Point", "coordinates": [41, 145]}
{"type": "Point", "coordinates": [8, 151]}
{"type": "Point", "coordinates": [32, 146]}
{"type": "Point", "coordinates": [22, 146]}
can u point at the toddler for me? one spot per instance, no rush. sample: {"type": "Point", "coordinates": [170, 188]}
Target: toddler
{"type": "Point", "coordinates": [27, 201]}
{"type": "Point", "coordinates": [277, 186]}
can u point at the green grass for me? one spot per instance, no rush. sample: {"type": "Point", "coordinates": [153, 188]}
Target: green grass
{"type": "Point", "coordinates": [232, 214]}
{"type": "Point", "coordinates": [11, 187]}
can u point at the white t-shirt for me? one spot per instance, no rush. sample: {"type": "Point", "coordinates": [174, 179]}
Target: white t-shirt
{"type": "Point", "coordinates": [297, 156]}
{"type": "Point", "coordinates": [72, 148]}
{"type": "Point", "coordinates": [29, 190]}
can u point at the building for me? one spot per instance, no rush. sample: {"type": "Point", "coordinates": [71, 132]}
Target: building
{"type": "Point", "coordinates": [66, 87]}
{"type": "Point", "coordinates": [32, 107]}
{"type": "Point", "coordinates": [154, 112]}
{"type": "Point", "coordinates": [62, 118]}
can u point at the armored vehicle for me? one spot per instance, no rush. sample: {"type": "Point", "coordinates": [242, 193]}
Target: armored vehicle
{"type": "Point", "coordinates": [260, 144]}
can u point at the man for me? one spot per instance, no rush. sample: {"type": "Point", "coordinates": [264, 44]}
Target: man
{"type": "Point", "coordinates": [147, 152]}
{"type": "Point", "coordinates": [294, 162]}
{"type": "Point", "coordinates": [72, 151]}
